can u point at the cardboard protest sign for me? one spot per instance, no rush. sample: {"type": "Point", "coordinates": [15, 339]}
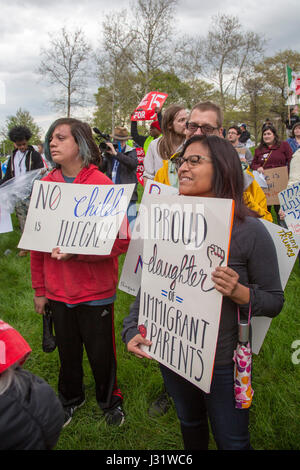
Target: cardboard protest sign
{"type": "Point", "coordinates": [180, 308]}
{"type": "Point", "coordinates": [5, 221]}
{"type": "Point", "coordinates": [289, 200]}
{"type": "Point", "coordinates": [287, 246]}
{"type": "Point", "coordinates": [277, 180]}
{"type": "Point", "coordinates": [146, 109]}
{"type": "Point", "coordinates": [78, 218]}
{"type": "Point", "coordinates": [130, 279]}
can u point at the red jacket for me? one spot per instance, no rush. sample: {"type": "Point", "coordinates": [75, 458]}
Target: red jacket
{"type": "Point", "coordinates": [273, 156]}
{"type": "Point", "coordinates": [83, 277]}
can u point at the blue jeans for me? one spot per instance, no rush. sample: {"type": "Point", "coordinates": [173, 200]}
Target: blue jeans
{"type": "Point", "coordinates": [229, 424]}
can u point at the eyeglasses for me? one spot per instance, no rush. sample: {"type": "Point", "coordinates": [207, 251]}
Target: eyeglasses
{"type": "Point", "coordinates": [191, 160]}
{"type": "Point", "coordinates": [206, 129]}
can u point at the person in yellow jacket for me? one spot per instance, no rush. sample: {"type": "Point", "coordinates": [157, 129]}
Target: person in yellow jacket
{"type": "Point", "coordinates": [254, 196]}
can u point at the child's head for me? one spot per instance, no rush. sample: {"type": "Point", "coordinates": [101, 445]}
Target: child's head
{"type": "Point", "coordinates": [20, 136]}
{"type": "Point", "coordinates": [13, 347]}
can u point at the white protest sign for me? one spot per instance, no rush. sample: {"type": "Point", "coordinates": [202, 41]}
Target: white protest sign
{"type": "Point", "coordinates": [5, 221]}
{"type": "Point", "coordinates": [180, 308]}
{"type": "Point", "coordinates": [287, 247]}
{"type": "Point", "coordinates": [78, 218]}
{"type": "Point", "coordinates": [130, 279]}
{"type": "Point", "coordinates": [289, 200]}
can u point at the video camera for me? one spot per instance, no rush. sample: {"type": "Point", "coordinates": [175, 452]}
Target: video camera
{"type": "Point", "coordinates": [102, 145]}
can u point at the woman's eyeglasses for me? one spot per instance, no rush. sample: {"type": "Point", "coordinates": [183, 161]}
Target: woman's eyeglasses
{"type": "Point", "coordinates": [191, 160]}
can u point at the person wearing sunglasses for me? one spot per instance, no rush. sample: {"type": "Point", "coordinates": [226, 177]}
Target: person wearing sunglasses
{"type": "Point", "coordinates": [209, 167]}
{"type": "Point", "coordinates": [206, 118]}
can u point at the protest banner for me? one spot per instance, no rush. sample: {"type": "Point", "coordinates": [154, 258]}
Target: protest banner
{"type": "Point", "coordinates": [146, 110]}
{"type": "Point", "coordinates": [277, 180]}
{"type": "Point", "coordinates": [78, 218]}
{"type": "Point", "coordinates": [130, 279]}
{"type": "Point", "coordinates": [5, 221]}
{"type": "Point", "coordinates": [287, 247]}
{"type": "Point", "coordinates": [140, 168]}
{"type": "Point", "coordinates": [289, 199]}
{"type": "Point", "coordinates": [179, 307]}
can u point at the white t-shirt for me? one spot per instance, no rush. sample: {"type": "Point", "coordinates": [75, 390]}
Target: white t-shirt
{"type": "Point", "coordinates": [152, 161]}
{"type": "Point", "coordinates": [19, 163]}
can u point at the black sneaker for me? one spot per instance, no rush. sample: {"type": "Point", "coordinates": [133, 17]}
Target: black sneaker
{"type": "Point", "coordinates": [115, 417]}
{"type": "Point", "coordinates": [69, 411]}
{"type": "Point", "coordinates": [160, 406]}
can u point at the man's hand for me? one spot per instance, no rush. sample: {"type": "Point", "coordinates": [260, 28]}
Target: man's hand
{"type": "Point", "coordinates": [39, 304]}
{"type": "Point", "coordinates": [133, 346]}
{"type": "Point", "coordinates": [110, 149]}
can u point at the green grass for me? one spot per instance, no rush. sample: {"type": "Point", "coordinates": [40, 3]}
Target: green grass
{"type": "Point", "coordinates": [275, 413]}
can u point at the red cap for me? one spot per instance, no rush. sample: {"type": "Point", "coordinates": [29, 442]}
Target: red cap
{"type": "Point", "coordinates": [13, 347]}
{"type": "Point", "coordinates": [156, 124]}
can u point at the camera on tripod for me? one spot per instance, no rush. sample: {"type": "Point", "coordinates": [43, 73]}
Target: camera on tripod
{"type": "Point", "coordinates": [103, 139]}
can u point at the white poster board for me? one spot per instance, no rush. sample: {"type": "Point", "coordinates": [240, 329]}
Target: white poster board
{"type": "Point", "coordinates": [287, 247]}
{"type": "Point", "coordinates": [5, 221]}
{"type": "Point", "coordinates": [179, 307]}
{"type": "Point", "coordinates": [78, 218]}
{"type": "Point", "coordinates": [289, 200]}
{"type": "Point", "coordinates": [130, 279]}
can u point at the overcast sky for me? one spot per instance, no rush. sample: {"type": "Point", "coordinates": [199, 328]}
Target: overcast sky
{"type": "Point", "coordinates": [25, 25]}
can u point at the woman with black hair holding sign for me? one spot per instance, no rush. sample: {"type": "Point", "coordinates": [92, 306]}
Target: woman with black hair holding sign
{"type": "Point", "coordinates": [271, 153]}
{"type": "Point", "coordinates": [208, 166]}
{"type": "Point", "coordinates": [80, 289]}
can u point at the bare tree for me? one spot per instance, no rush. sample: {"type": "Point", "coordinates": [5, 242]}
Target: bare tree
{"type": "Point", "coordinates": [142, 39]}
{"type": "Point", "coordinates": [151, 49]}
{"type": "Point", "coordinates": [115, 73]}
{"type": "Point", "coordinates": [62, 64]}
{"type": "Point", "coordinates": [229, 51]}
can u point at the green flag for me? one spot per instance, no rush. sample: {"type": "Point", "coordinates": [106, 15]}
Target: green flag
{"type": "Point", "coordinates": [289, 74]}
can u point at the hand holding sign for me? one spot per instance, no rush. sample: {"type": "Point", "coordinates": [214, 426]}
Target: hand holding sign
{"type": "Point", "coordinates": [146, 110]}
{"type": "Point", "coordinates": [57, 254]}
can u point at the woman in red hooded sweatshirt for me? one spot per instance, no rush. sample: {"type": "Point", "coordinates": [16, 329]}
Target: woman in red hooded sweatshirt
{"type": "Point", "coordinates": [80, 289]}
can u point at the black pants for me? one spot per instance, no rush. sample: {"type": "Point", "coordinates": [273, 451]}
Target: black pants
{"type": "Point", "coordinates": [92, 327]}
{"type": "Point", "coordinates": [276, 209]}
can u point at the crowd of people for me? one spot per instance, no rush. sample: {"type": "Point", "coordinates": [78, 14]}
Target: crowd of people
{"type": "Point", "coordinates": [186, 150]}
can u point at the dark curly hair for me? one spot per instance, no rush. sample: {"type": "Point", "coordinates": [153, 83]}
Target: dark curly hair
{"type": "Point", "coordinates": [19, 133]}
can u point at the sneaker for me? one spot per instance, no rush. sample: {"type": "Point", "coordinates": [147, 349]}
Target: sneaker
{"type": "Point", "coordinates": [69, 411]}
{"type": "Point", "coordinates": [115, 417]}
{"type": "Point", "coordinates": [160, 406]}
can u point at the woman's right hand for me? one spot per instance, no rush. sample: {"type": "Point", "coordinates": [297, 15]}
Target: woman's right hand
{"type": "Point", "coordinates": [133, 346]}
{"type": "Point", "coordinates": [260, 170]}
{"type": "Point", "coordinates": [39, 304]}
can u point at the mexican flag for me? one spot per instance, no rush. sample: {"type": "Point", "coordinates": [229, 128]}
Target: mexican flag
{"type": "Point", "coordinates": [293, 81]}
